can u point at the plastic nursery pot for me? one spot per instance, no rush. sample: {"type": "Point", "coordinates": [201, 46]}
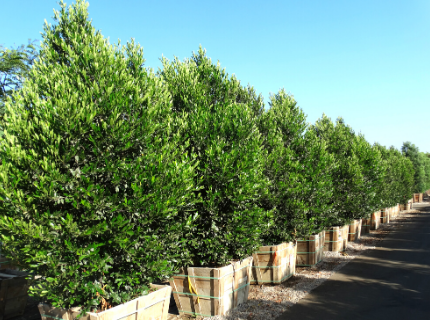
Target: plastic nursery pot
{"type": "Point", "coordinates": [207, 292]}
{"type": "Point", "coordinates": [310, 250]}
{"type": "Point", "coordinates": [274, 264]}
{"type": "Point", "coordinates": [155, 305]}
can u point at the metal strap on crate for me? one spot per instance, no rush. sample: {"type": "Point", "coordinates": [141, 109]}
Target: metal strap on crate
{"type": "Point", "coordinates": [212, 278]}
{"type": "Point", "coordinates": [319, 249]}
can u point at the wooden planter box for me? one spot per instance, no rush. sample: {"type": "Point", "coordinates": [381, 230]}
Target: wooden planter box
{"type": "Point", "coordinates": [13, 293]}
{"type": "Point", "coordinates": [274, 264]}
{"type": "Point", "coordinates": [336, 238]}
{"type": "Point", "coordinates": [152, 306]}
{"type": "Point", "coordinates": [385, 215]}
{"type": "Point", "coordinates": [210, 292]}
{"type": "Point", "coordinates": [418, 197]}
{"type": "Point", "coordinates": [366, 224]}
{"type": "Point", "coordinates": [376, 220]}
{"type": "Point", "coordinates": [310, 250]}
{"type": "Point", "coordinates": [355, 230]}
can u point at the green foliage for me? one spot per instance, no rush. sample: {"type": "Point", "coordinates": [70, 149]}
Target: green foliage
{"type": "Point", "coordinates": [346, 172]}
{"type": "Point", "coordinates": [405, 178]}
{"type": "Point", "coordinates": [421, 166]}
{"type": "Point", "coordinates": [372, 171]}
{"type": "Point", "coordinates": [224, 138]}
{"type": "Point", "coordinates": [15, 65]}
{"type": "Point", "coordinates": [96, 188]}
{"type": "Point", "coordinates": [297, 166]}
{"type": "Point", "coordinates": [398, 177]}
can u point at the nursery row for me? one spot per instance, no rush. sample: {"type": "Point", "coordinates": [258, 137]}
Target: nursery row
{"type": "Point", "coordinates": [114, 177]}
{"type": "Point", "coordinates": [211, 291]}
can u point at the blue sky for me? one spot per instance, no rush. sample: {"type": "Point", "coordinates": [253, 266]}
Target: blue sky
{"type": "Point", "coordinates": [366, 61]}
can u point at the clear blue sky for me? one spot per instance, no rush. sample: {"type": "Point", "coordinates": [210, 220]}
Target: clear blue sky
{"type": "Point", "coordinates": [367, 61]}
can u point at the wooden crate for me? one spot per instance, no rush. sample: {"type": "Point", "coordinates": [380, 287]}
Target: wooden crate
{"type": "Point", "coordinates": [366, 224]}
{"type": "Point", "coordinates": [385, 215]}
{"type": "Point", "coordinates": [152, 306]}
{"type": "Point", "coordinates": [274, 264]}
{"type": "Point", "coordinates": [376, 220]}
{"type": "Point", "coordinates": [13, 293]}
{"type": "Point", "coordinates": [355, 230]}
{"type": "Point", "coordinates": [410, 204]}
{"type": "Point", "coordinates": [336, 238]}
{"type": "Point", "coordinates": [210, 292]}
{"type": "Point", "coordinates": [418, 197]}
{"type": "Point", "coordinates": [310, 250]}
{"type": "Point", "coordinates": [394, 211]}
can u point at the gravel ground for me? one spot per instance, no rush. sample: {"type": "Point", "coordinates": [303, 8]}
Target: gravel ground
{"type": "Point", "coordinates": [270, 301]}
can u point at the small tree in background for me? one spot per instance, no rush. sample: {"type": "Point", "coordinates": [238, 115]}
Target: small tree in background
{"type": "Point", "coordinates": [418, 159]}
{"type": "Point", "coordinates": [96, 189]}
{"type": "Point", "coordinates": [224, 138]}
{"type": "Point", "coordinates": [15, 65]}
{"type": "Point", "coordinates": [297, 167]}
{"type": "Point", "coordinates": [406, 178]}
{"type": "Point", "coordinates": [425, 160]}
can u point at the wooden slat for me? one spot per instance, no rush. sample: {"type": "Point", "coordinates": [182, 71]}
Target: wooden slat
{"type": "Point", "coordinates": [201, 289]}
{"type": "Point", "coordinates": [333, 239]}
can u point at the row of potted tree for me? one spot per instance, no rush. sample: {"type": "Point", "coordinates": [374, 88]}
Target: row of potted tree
{"type": "Point", "coordinates": [114, 177]}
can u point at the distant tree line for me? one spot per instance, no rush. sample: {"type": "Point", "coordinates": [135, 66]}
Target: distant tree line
{"type": "Point", "coordinates": [421, 163]}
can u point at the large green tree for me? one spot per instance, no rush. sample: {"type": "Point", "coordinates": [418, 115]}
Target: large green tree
{"type": "Point", "coordinates": [96, 188]}
{"type": "Point", "coordinates": [298, 170]}
{"type": "Point", "coordinates": [225, 139]}
{"type": "Point", "coordinates": [398, 179]}
{"type": "Point", "coordinates": [372, 171]}
{"type": "Point", "coordinates": [419, 161]}
{"type": "Point", "coordinates": [346, 172]}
